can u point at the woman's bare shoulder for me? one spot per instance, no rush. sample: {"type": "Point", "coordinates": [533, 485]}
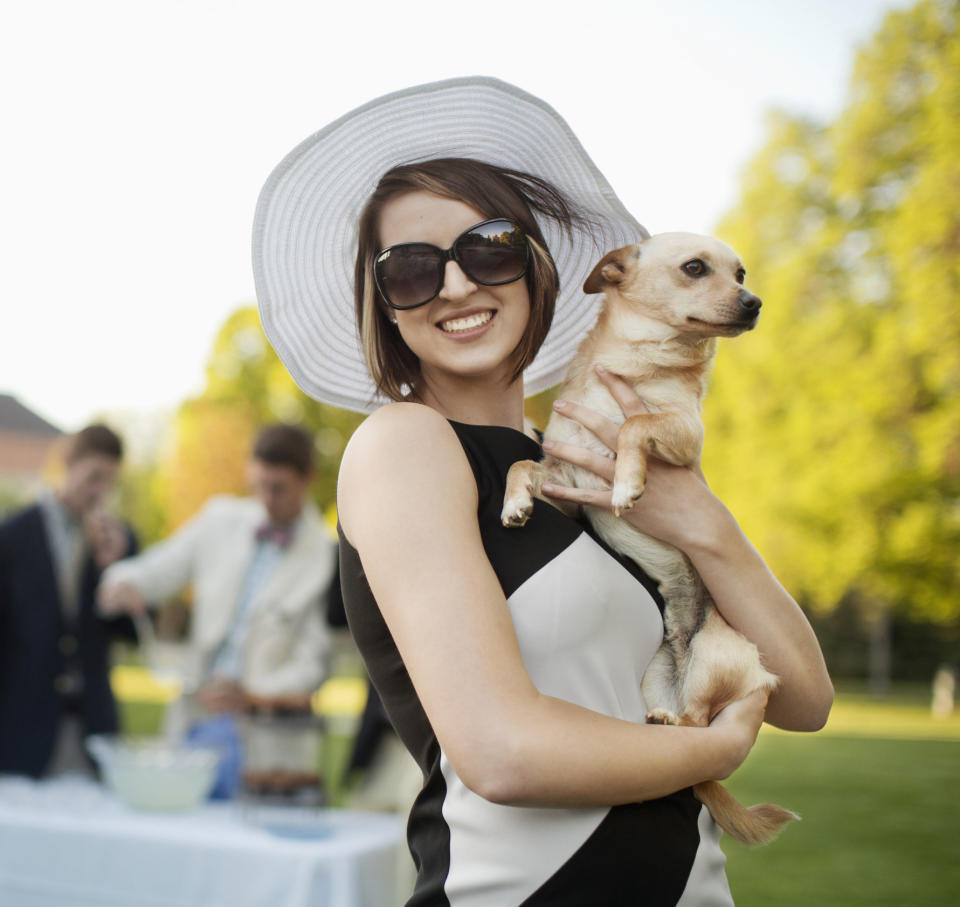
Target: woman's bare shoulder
{"type": "Point", "coordinates": [397, 418]}
{"type": "Point", "coordinates": [392, 429]}
{"type": "Point", "coordinates": [403, 453]}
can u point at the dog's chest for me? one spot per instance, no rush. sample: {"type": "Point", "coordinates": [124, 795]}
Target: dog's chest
{"type": "Point", "coordinates": [593, 396]}
{"type": "Point", "coordinates": [664, 393]}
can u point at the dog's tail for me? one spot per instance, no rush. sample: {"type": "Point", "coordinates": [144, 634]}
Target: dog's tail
{"type": "Point", "coordinates": [758, 824]}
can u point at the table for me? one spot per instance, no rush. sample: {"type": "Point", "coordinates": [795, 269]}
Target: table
{"type": "Point", "coordinates": [69, 842]}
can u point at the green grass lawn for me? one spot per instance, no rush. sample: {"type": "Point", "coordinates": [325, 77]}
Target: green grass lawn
{"type": "Point", "coordinates": [878, 793]}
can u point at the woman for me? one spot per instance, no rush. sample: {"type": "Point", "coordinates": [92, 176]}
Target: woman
{"type": "Point", "coordinates": [509, 661]}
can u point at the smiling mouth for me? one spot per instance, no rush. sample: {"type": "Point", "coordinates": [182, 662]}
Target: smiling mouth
{"type": "Point", "coordinates": [467, 323]}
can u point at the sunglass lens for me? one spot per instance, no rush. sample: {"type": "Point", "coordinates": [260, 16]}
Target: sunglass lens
{"type": "Point", "coordinates": [409, 274]}
{"type": "Point", "coordinates": [493, 253]}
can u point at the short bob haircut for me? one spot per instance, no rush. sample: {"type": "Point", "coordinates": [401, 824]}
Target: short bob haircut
{"type": "Point", "coordinates": [494, 192]}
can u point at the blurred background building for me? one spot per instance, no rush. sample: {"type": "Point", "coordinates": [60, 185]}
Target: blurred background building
{"type": "Point", "coordinates": [26, 443]}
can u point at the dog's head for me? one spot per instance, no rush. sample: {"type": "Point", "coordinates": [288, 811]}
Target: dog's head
{"type": "Point", "coordinates": [693, 284]}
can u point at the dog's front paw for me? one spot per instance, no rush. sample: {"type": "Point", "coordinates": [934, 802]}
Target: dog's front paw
{"type": "Point", "coordinates": [625, 496]}
{"type": "Point", "coordinates": [662, 716]}
{"type": "Point", "coordinates": [516, 511]}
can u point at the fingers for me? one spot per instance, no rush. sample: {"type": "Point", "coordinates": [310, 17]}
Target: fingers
{"type": "Point", "coordinates": [591, 460]}
{"type": "Point", "coordinates": [593, 497]}
{"type": "Point", "coordinates": [622, 392]}
{"type": "Point", "coordinates": [600, 465]}
{"type": "Point", "coordinates": [751, 705]}
{"type": "Point", "coordinates": [757, 700]}
{"type": "Point", "coordinates": [604, 429]}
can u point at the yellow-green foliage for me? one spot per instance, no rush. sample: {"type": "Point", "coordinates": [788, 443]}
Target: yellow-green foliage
{"type": "Point", "coordinates": [834, 429]}
{"type": "Point", "coordinates": [247, 386]}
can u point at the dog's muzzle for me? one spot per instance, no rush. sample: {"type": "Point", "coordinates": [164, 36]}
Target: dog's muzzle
{"type": "Point", "coordinates": [749, 304]}
{"type": "Point", "coordinates": [748, 307]}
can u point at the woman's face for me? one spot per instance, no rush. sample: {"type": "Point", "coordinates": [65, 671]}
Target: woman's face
{"type": "Point", "coordinates": [469, 330]}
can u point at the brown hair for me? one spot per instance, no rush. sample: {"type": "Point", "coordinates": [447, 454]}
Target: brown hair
{"type": "Point", "coordinates": [494, 192]}
{"type": "Point", "coordinates": [284, 445]}
{"type": "Point", "coordinates": [94, 439]}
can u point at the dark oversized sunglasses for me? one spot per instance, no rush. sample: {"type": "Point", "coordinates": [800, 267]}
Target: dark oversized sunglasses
{"type": "Point", "coordinates": [491, 253]}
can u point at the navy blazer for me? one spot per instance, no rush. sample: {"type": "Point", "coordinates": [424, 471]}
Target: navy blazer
{"type": "Point", "coordinates": [40, 650]}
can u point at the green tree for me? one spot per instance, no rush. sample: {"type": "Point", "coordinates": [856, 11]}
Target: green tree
{"type": "Point", "coordinates": [246, 379]}
{"type": "Point", "coordinates": [213, 439]}
{"type": "Point", "coordinates": [834, 429]}
{"type": "Point", "coordinates": [142, 499]}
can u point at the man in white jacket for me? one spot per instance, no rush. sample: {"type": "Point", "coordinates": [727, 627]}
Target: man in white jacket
{"type": "Point", "coordinates": [259, 568]}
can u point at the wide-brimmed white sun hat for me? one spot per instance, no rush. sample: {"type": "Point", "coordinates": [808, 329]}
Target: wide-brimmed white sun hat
{"type": "Point", "coordinates": [304, 235]}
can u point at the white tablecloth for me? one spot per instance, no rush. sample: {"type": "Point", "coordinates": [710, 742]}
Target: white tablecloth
{"type": "Point", "coordinates": [69, 842]}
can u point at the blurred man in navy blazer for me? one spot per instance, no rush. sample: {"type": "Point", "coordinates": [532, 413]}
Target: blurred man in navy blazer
{"type": "Point", "coordinates": [54, 667]}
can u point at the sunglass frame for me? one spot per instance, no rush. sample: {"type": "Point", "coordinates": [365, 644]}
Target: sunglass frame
{"type": "Point", "coordinates": [451, 255]}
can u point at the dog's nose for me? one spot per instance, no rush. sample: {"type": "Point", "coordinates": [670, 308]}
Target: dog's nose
{"type": "Point", "coordinates": [749, 304]}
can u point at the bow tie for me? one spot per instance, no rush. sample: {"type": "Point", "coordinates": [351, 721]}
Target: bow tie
{"type": "Point", "coordinates": [281, 536]}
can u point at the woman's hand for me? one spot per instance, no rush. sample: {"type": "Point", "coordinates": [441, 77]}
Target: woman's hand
{"type": "Point", "coordinates": [738, 725]}
{"type": "Point", "coordinates": [676, 504]}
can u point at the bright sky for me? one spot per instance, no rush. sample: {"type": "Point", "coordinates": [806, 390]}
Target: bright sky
{"type": "Point", "coordinates": [138, 134]}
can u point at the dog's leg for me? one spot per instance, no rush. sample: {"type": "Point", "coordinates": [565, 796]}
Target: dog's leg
{"type": "Point", "coordinates": [663, 682]}
{"type": "Point", "coordinates": [717, 666]}
{"type": "Point", "coordinates": [723, 666]}
{"type": "Point", "coordinates": [525, 479]}
{"type": "Point", "coordinates": [667, 435]}
{"type": "Point", "coordinates": [713, 665]}
{"type": "Point", "coordinates": [629, 474]}
{"type": "Point", "coordinates": [523, 484]}
{"type": "Point", "coordinates": [659, 687]}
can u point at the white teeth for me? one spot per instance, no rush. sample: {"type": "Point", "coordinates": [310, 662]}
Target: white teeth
{"type": "Point", "coordinates": [465, 324]}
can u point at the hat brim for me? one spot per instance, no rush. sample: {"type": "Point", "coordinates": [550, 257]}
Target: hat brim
{"type": "Point", "coordinates": [304, 238]}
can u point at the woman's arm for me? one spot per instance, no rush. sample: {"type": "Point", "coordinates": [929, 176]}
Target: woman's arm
{"type": "Point", "coordinates": [407, 501]}
{"type": "Point", "coordinates": [678, 507]}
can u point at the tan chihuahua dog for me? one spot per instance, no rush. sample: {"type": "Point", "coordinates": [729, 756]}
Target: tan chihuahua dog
{"type": "Point", "coordinates": [667, 300]}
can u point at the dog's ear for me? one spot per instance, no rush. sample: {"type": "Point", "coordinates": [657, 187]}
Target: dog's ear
{"type": "Point", "coordinates": [611, 269]}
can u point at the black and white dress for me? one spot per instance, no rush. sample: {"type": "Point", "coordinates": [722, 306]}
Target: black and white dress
{"type": "Point", "coordinates": [588, 624]}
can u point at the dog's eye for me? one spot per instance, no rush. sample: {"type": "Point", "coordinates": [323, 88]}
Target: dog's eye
{"type": "Point", "coordinates": [695, 267]}
{"type": "Point", "coordinates": [741, 275]}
